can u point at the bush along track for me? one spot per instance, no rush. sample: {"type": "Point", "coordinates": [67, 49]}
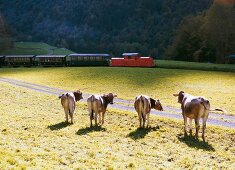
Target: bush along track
{"type": "Point", "coordinates": [120, 104]}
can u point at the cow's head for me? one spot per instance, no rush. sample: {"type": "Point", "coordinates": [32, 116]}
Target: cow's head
{"type": "Point", "coordinates": [78, 95]}
{"type": "Point", "coordinates": [180, 96]}
{"type": "Point", "coordinates": [156, 104]}
{"type": "Point", "coordinates": [109, 97]}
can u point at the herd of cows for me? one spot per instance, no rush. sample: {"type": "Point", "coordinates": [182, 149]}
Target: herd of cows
{"type": "Point", "coordinates": [193, 107]}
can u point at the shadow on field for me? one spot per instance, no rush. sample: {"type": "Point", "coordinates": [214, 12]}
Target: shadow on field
{"type": "Point", "coordinates": [193, 142]}
{"type": "Point", "coordinates": [141, 132]}
{"type": "Point", "coordinates": [86, 130]}
{"type": "Point", "coordinates": [59, 126]}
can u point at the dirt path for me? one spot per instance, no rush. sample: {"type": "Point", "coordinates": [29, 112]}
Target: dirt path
{"type": "Point", "coordinates": [169, 112]}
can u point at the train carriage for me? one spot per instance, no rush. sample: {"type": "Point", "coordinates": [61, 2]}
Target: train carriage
{"type": "Point", "coordinates": [87, 60]}
{"type": "Point", "coordinates": [2, 60]}
{"type": "Point", "coordinates": [50, 60]}
{"type": "Point", "coordinates": [19, 60]}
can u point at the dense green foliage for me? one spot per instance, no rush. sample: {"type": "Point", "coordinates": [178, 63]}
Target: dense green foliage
{"type": "Point", "coordinates": [111, 26]}
{"type": "Point", "coordinates": [5, 39]}
{"type": "Point", "coordinates": [206, 37]}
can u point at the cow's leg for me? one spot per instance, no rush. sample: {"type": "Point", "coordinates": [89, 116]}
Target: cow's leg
{"type": "Point", "coordinates": [100, 113]}
{"type": "Point", "coordinates": [140, 119]}
{"type": "Point", "coordinates": [197, 126]}
{"type": "Point", "coordinates": [96, 119]}
{"type": "Point", "coordinates": [148, 120]}
{"type": "Point", "coordinates": [102, 118]}
{"type": "Point", "coordinates": [190, 126]}
{"type": "Point", "coordinates": [66, 116]}
{"type": "Point", "coordinates": [71, 116]}
{"type": "Point", "coordinates": [204, 127]}
{"type": "Point", "coordinates": [91, 117]}
{"type": "Point", "coordinates": [185, 125]}
{"type": "Point", "coordinates": [144, 119]}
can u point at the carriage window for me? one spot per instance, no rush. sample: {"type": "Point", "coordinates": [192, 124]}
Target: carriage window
{"type": "Point", "coordinates": [86, 58]}
{"type": "Point", "coordinates": [79, 58]}
{"type": "Point", "coordinates": [74, 58]}
{"type": "Point", "coordinates": [98, 58]}
{"type": "Point", "coordinates": [92, 58]}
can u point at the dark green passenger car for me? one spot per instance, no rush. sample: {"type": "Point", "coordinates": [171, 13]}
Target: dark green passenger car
{"type": "Point", "coordinates": [87, 60]}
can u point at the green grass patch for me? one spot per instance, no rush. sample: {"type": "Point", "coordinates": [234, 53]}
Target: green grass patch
{"type": "Point", "coordinates": [35, 48]}
{"type": "Point", "coordinates": [194, 65]}
{"type": "Point", "coordinates": [127, 83]}
{"type": "Point", "coordinates": [34, 136]}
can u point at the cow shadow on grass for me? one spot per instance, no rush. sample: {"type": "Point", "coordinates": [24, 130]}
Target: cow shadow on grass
{"type": "Point", "coordinates": [86, 130]}
{"type": "Point", "coordinates": [141, 132]}
{"type": "Point", "coordinates": [193, 142]}
{"type": "Point", "coordinates": [59, 126]}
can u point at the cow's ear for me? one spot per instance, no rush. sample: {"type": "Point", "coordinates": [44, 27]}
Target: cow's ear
{"type": "Point", "coordinates": [114, 95]}
{"type": "Point", "coordinates": [175, 95]}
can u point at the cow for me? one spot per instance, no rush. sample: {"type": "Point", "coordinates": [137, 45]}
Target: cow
{"type": "Point", "coordinates": [143, 105]}
{"type": "Point", "coordinates": [194, 107]}
{"type": "Point", "coordinates": [97, 105]}
{"type": "Point", "coordinates": [68, 101]}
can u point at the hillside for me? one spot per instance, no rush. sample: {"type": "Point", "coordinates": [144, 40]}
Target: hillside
{"type": "Point", "coordinates": [35, 48]}
{"type": "Point", "coordinates": [108, 26]}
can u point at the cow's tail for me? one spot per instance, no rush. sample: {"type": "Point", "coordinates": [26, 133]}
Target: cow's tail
{"type": "Point", "coordinates": [219, 110]}
{"type": "Point", "coordinates": [67, 95]}
{"type": "Point", "coordinates": [92, 98]}
{"type": "Point", "coordinates": [206, 104]}
{"type": "Point", "coordinates": [142, 106]}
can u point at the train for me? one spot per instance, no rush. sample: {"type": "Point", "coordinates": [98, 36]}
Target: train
{"type": "Point", "coordinates": [128, 60]}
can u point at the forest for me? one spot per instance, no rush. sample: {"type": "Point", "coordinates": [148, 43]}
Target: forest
{"type": "Point", "coordinates": [161, 29]}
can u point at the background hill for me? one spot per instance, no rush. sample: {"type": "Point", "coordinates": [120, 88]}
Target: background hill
{"type": "Point", "coordinates": [146, 26]}
{"type": "Point", "coordinates": [35, 48]}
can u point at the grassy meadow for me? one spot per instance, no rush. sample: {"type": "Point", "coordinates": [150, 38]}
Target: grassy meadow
{"type": "Point", "coordinates": [127, 83]}
{"type": "Point", "coordinates": [34, 136]}
{"type": "Point", "coordinates": [194, 65]}
{"type": "Point", "coordinates": [35, 48]}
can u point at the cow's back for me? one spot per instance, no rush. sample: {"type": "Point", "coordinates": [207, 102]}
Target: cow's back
{"type": "Point", "coordinates": [68, 103]}
{"type": "Point", "coordinates": [142, 104]}
{"type": "Point", "coordinates": [193, 108]}
{"type": "Point", "coordinates": [94, 103]}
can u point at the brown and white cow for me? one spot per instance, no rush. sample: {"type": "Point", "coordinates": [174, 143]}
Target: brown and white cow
{"type": "Point", "coordinates": [68, 101]}
{"type": "Point", "coordinates": [194, 107]}
{"type": "Point", "coordinates": [143, 105]}
{"type": "Point", "coordinates": [97, 105]}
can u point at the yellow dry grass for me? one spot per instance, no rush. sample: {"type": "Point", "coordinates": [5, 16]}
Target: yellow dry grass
{"type": "Point", "coordinates": [127, 83]}
{"type": "Point", "coordinates": [34, 136]}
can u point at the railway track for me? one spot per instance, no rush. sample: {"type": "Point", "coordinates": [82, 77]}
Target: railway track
{"type": "Point", "coordinates": [121, 104]}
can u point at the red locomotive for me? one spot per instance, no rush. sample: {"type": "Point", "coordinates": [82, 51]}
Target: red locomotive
{"type": "Point", "coordinates": [132, 60]}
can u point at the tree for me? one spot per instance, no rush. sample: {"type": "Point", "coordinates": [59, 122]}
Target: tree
{"type": "Point", "coordinates": [219, 28]}
{"type": "Point", "coordinates": [207, 37]}
{"type": "Point", "coordinates": [5, 40]}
